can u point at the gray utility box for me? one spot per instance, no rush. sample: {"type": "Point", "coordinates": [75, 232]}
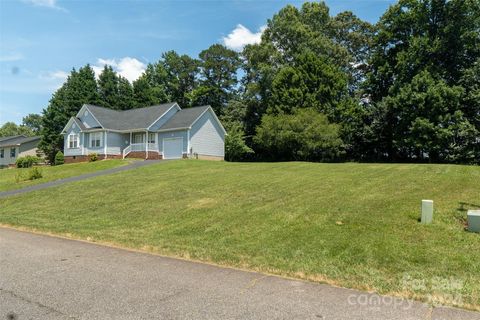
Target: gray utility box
{"type": "Point", "coordinates": [473, 219]}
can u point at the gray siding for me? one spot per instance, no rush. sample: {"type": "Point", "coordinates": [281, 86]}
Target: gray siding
{"type": "Point", "coordinates": [28, 149]}
{"type": "Point", "coordinates": [173, 134]}
{"type": "Point", "coordinates": [164, 119]}
{"type": "Point", "coordinates": [116, 142]}
{"type": "Point", "coordinates": [207, 137]}
{"type": "Point", "coordinates": [6, 160]}
{"type": "Point", "coordinates": [88, 120]}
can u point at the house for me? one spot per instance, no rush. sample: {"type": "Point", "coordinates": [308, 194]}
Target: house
{"type": "Point", "coordinates": [159, 132]}
{"type": "Point", "coordinates": [13, 147]}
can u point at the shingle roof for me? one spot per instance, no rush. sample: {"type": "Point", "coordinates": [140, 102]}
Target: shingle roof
{"type": "Point", "coordinates": [140, 118]}
{"type": "Point", "coordinates": [184, 118]}
{"type": "Point", "coordinates": [16, 140]}
{"type": "Point", "coordinates": [80, 124]}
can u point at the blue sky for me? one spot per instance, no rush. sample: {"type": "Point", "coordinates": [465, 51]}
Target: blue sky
{"type": "Point", "coordinates": [42, 40]}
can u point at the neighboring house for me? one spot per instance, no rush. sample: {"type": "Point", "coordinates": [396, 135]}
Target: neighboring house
{"type": "Point", "coordinates": [159, 132]}
{"type": "Point", "coordinates": [14, 147]}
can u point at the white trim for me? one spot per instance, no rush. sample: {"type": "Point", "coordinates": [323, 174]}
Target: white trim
{"type": "Point", "coordinates": [64, 131]}
{"type": "Point", "coordinates": [105, 147]}
{"type": "Point", "coordinates": [175, 104]}
{"type": "Point", "coordinates": [163, 146]}
{"type": "Point", "coordinates": [83, 144]}
{"type": "Point", "coordinates": [188, 142]}
{"type": "Point", "coordinates": [174, 129]}
{"type": "Point", "coordinates": [90, 140]}
{"type": "Point", "coordinates": [146, 145]}
{"type": "Point", "coordinates": [77, 146]}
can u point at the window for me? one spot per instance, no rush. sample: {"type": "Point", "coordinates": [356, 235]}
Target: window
{"type": "Point", "coordinates": [72, 141]}
{"type": "Point", "coordinates": [2, 153]}
{"type": "Point", "coordinates": [95, 139]}
{"type": "Point", "coordinates": [151, 138]}
{"type": "Point", "coordinates": [13, 152]}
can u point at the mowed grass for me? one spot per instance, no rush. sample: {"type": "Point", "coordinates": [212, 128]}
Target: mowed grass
{"type": "Point", "coordinates": [8, 176]}
{"type": "Point", "coordinates": [352, 225]}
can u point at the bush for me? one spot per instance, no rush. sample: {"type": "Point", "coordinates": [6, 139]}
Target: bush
{"type": "Point", "coordinates": [92, 157]}
{"type": "Point", "coordinates": [27, 161]}
{"type": "Point", "coordinates": [304, 135]}
{"type": "Point", "coordinates": [34, 173]}
{"type": "Point", "coordinates": [235, 147]}
{"type": "Point", "coordinates": [59, 158]}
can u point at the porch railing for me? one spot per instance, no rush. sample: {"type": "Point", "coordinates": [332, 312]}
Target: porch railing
{"type": "Point", "coordinates": [139, 147]}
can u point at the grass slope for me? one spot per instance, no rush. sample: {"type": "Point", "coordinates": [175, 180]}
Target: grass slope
{"type": "Point", "coordinates": [353, 225]}
{"type": "Point", "coordinates": [50, 173]}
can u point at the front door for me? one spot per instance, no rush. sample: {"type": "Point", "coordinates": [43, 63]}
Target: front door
{"type": "Point", "coordinates": [139, 137]}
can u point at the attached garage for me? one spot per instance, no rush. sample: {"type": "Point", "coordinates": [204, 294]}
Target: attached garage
{"type": "Point", "coordinates": [173, 148]}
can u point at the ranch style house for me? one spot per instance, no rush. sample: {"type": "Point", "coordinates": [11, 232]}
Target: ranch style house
{"type": "Point", "coordinates": [158, 132]}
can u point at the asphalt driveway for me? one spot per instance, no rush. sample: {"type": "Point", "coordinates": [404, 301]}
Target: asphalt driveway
{"type": "Point", "coordinates": [43, 277]}
{"type": "Point", "coordinates": [133, 165]}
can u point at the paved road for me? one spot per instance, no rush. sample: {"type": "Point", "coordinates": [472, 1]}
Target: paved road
{"type": "Point", "coordinates": [44, 277]}
{"type": "Point", "coordinates": [133, 165]}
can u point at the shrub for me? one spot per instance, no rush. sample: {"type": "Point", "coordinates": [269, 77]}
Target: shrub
{"type": "Point", "coordinates": [59, 158]}
{"type": "Point", "coordinates": [27, 161]}
{"type": "Point", "coordinates": [304, 135]}
{"type": "Point", "coordinates": [235, 147]}
{"type": "Point", "coordinates": [92, 157]}
{"type": "Point", "coordinates": [18, 176]}
{"type": "Point", "coordinates": [34, 173]}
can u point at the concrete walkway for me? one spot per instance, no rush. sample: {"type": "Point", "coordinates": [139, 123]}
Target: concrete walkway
{"type": "Point", "coordinates": [133, 165]}
{"type": "Point", "coordinates": [43, 277]}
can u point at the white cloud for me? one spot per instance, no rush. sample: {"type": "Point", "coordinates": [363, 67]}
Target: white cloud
{"type": "Point", "coordinates": [55, 75]}
{"type": "Point", "coordinates": [45, 3]}
{"type": "Point", "coordinates": [127, 67]}
{"type": "Point", "coordinates": [11, 57]}
{"type": "Point", "coordinates": [241, 36]}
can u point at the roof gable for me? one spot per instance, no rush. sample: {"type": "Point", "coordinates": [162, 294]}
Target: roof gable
{"type": "Point", "coordinates": [186, 118]}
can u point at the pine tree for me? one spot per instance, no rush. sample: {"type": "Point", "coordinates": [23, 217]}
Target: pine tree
{"type": "Point", "coordinates": [79, 88]}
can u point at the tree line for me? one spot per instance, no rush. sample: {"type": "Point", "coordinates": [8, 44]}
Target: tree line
{"type": "Point", "coordinates": [319, 87]}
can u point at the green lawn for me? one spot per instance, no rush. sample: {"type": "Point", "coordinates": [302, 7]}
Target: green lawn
{"type": "Point", "coordinates": [352, 225]}
{"type": "Point", "coordinates": [8, 179]}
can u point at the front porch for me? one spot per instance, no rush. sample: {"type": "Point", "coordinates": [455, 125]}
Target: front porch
{"type": "Point", "coordinates": [139, 147]}
{"type": "Point", "coordinates": [142, 150]}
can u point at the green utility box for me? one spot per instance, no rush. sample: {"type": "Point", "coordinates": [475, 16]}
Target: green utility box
{"type": "Point", "coordinates": [473, 219]}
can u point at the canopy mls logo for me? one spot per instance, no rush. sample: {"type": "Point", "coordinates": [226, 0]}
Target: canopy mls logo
{"type": "Point", "coordinates": [438, 291]}
{"type": "Point", "coordinates": [374, 300]}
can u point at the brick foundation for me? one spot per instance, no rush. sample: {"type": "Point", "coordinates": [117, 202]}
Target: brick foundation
{"type": "Point", "coordinates": [85, 158]}
{"type": "Point", "coordinates": [207, 157]}
{"type": "Point", "coordinates": [152, 155]}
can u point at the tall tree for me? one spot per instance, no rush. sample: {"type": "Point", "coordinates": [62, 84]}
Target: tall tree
{"type": "Point", "coordinates": [218, 77]}
{"type": "Point", "coordinates": [79, 88]}
{"type": "Point", "coordinates": [12, 129]}
{"type": "Point", "coordinates": [181, 76]}
{"type": "Point", "coordinates": [429, 42]}
{"type": "Point", "coordinates": [33, 121]}
{"type": "Point", "coordinates": [108, 88]}
{"type": "Point", "coordinates": [125, 98]}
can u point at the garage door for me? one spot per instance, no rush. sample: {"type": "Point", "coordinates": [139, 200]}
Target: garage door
{"type": "Point", "coordinates": [172, 148]}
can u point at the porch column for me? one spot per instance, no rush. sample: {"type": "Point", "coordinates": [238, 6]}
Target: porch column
{"type": "Point", "coordinates": [130, 137]}
{"type": "Point", "coordinates": [146, 145]}
{"type": "Point", "coordinates": [105, 146]}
